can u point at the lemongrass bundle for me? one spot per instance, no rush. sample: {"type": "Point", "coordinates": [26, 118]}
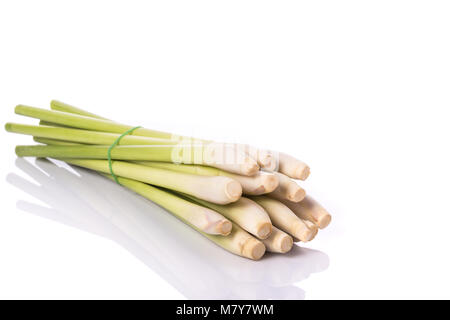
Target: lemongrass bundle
{"type": "Point", "coordinates": [199, 181]}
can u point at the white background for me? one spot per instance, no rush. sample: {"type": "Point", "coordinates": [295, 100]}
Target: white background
{"type": "Point", "coordinates": [360, 90]}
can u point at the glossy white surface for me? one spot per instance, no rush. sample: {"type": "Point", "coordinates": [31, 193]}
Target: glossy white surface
{"type": "Point", "coordinates": [359, 90]}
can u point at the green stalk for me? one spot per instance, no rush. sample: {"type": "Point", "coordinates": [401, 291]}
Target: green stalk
{"type": "Point", "coordinates": [154, 153]}
{"type": "Point", "coordinates": [84, 122]}
{"type": "Point", "coordinates": [64, 107]}
{"type": "Point", "coordinates": [219, 190]}
{"type": "Point", "coordinates": [206, 221]}
{"type": "Point", "coordinates": [83, 136]}
{"type": "Point", "coordinates": [54, 142]}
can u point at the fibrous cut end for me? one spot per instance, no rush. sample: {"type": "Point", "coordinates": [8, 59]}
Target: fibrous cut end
{"type": "Point", "coordinates": [249, 167]}
{"type": "Point", "coordinates": [264, 230]}
{"type": "Point", "coordinates": [286, 243]}
{"type": "Point", "coordinates": [267, 162]}
{"type": "Point", "coordinates": [233, 190]}
{"type": "Point", "coordinates": [224, 227]}
{"type": "Point", "coordinates": [253, 249]}
{"type": "Point", "coordinates": [302, 172]}
{"type": "Point", "coordinates": [270, 182]}
{"type": "Point", "coordinates": [298, 195]}
{"type": "Point", "coordinates": [324, 221]}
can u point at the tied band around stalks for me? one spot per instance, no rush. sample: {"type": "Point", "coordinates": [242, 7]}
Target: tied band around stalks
{"type": "Point", "coordinates": [115, 143]}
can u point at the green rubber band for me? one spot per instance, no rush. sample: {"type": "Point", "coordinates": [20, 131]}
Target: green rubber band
{"type": "Point", "coordinates": [115, 143]}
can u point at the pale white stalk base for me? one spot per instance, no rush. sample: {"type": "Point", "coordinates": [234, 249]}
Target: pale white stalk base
{"type": "Point", "coordinates": [309, 209]}
{"type": "Point", "coordinates": [283, 218]}
{"type": "Point", "coordinates": [241, 243]}
{"type": "Point", "coordinates": [287, 189]}
{"type": "Point", "coordinates": [279, 241]}
{"type": "Point", "coordinates": [292, 167]}
{"type": "Point", "coordinates": [311, 226]}
{"type": "Point", "coordinates": [246, 213]}
{"type": "Point", "coordinates": [260, 183]}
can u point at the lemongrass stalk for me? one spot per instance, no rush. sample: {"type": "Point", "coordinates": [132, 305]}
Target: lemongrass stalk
{"type": "Point", "coordinates": [178, 153]}
{"type": "Point", "coordinates": [203, 219]}
{"type": "Point", "coordinates": [84, 122]}
{"type": "Point", "coordinates": [51, 124]}
{"type": "Point", "coordinates": [309, 209]}
{"type": "Point", "coordinates": [221, 156]}
{"type": "Point", "coordinates": [54, 142]}
{"type": "Point", "coordinates": [155, 153]}
{"type": "Point", "coordinates": [220, 190]}
{"type": "Point", "coordinates": [240, 243]}
{"type": "Point", "coordinates": [266, 159]}
{"type": "Point", "coordinates": [278, 241]}
{"type": "Point", "coordinates": [64, 107]}
{"type": "Point", "coordinates": [288, 189]}
{"type": "Point", "coordinates": [314, 229]}
{"type": "Point", "coordinates": [283, 218]}
{"type": "Point", "coordinates": [292, 167]}
{"type": "Point", "coordinates": [237, 241]}
{"type": "Point", "coordinates": [246, 213]}
{"type": "Point", "coordinates": [83, 136]}
{"type": "Point", "coordinates": [260, 183]}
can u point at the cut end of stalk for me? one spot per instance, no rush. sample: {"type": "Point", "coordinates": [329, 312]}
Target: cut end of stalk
{"type": "Point", "coordinates": [297, 196]}
{"type": "Point", "coordinates": [8, 127]}
{"type": "Point", "coordinates": [253, 249]}
{"type": "Point", "coordinates": [224, 227]}
{"type": "Point", "coordinates": [286, 243]}
{"type": "Point", "coordinates": [267, 162]}
{"type": "Point", "coordinates": [324, 221]}
{"type": "Point", "coordinates": [309, 234]}
{"type": "Point", "coordinates": [270, 182]}
{"type": "Point", "coordinates": [302, 172]}
{"type": "Point", "coordinates": [264, 230]}
{"type": "Point", "coordinates": [250, 167]}
{"type": "Point", "coordinates": [233, 190]}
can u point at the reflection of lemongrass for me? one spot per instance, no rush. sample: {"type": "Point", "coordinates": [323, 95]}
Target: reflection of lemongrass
{"type": "Point", "coordinates": [159, 241]}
